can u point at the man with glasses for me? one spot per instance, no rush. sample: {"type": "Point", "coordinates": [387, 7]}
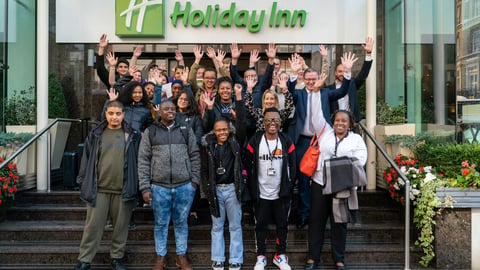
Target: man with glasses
{"type": "Point", "coordinates": [271, 174]}
{"type": "Point", "coordinates": [312, 113]}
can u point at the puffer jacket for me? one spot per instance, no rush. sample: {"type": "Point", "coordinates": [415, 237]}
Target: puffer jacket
{"type": "Point", "coordinates": [88, 173]}
{"type": "Point", "coordinates": [193, 121]}
{"type": "Point", "coordinates": [288, 166]}
{"type": "Point", "coordinates": [168, 157]}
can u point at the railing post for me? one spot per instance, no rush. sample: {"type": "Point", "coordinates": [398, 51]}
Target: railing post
{"type": "Point", "coordinates": [49, 152]}
{"type": "Point", "coordinates": [407, 225]}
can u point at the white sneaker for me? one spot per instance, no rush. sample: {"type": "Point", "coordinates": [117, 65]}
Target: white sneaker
{"type": "Point", "coordinates": [281, 261]}
{"type": "Point", "coordinates": [217, 265]}
{"type": "Point", "coordinates": [261, 263]}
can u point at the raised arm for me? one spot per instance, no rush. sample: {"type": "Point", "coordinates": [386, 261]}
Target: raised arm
{"type": "Point", "coordinates": [102, 72]}
{"type": "Point", "coordinates": [324, 53]}
{"type": "Point", "coordinates": [367, 64]}
{"type": "Point", "coordinates": [179, 58]}
{"type": "Point", "coordinates": [347, 61]}
{"type": "Point", "coordinates": [136, 54]}
{"type": "Point", "coordinates": [233, 66]}
{"type": "Point", "coordinates": [192, 77]}
{"type": "Point", "coordinates": [112, 61]}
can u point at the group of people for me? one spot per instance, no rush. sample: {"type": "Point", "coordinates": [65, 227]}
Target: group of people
{"type": "Point", "coordinates": [209, 132]}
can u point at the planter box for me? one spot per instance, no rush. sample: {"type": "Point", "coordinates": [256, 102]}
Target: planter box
{"type": "Point", "coordinates": [457, 230]}
{"type": "Point", "coordinates": [381, 132]}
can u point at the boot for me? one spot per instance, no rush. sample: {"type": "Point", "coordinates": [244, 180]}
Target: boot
{"type": "Point", "coordinates": [182, 262]}
{"type": "Point", "coordinates": [160, 263]}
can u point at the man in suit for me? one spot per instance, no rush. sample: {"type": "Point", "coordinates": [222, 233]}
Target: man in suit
{"type": "Point", "coordinates": [350, 101]}
{"type": "Point", "coordinates": [312, 114]}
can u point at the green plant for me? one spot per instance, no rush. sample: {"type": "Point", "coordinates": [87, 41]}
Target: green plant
{"type": "Point", "coordinates": [14, 139]}
{"type": "Point", "coordinates": [8, 181]}
{"type": "Point", "coordinates": [424, 215]}
{"type": "Point", "coordinates": [21, 109]}
{"type": "Point", "coordinates": [57, 105]}
{"type": "Point", "coordinates": [468, 177]}
{"type": "Point", "coordinates": [447, 157]}
{"type": "Point", "coordinates": [387, 115]}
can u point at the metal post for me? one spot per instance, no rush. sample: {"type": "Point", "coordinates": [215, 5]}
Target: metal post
{"type": "Point", "coordinates": [49, 151]}
{"type": "Point", "coordinates": [407, 225]}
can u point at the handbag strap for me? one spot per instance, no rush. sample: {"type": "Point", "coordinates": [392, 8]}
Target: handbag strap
{"type": "Point", "coordinates": [315, 138]}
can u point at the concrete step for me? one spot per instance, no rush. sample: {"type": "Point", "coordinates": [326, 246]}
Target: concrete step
{"type": "Point", "coordinates": [142, 252]}
{"type": "Point", "coordinates": [24, 211]}
{"type": "Point", "coordinates": [72, 231]}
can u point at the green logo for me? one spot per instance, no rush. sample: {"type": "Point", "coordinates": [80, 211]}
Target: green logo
{"type": "Point", "coordinates": [142, 19]}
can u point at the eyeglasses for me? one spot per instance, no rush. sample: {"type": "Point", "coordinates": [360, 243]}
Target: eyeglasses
{"type": "Point", "coordinates": [274, 120]}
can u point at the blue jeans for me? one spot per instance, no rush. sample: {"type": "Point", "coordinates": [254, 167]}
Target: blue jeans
{"type": "Point", "coordinates": [303, 208]}
{"type": "Point", "coordinates": [229, 205]}
{"type": "Point", "coordinates": [175, 203]}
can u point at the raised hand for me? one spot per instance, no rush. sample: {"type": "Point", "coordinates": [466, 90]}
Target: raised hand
{"type": "Point", "coordinates": [184, 76]}
{"type": "Point", "coordinates": [138, 51]}
{"type": "Point", "coordinates": [347, 61]}
{"type": "Point", "coordinates": [197, 51]}
{"type": "Point", "coordinates": [132, 69]}
{"type": "Point", "coordinates": [368, 46]}
{"type": "Point", "coordinates": [271, 51]}
{"type": "Point", "coordinates": [323, 50]}
{"type": "Point", "coordinates": [235, 51]}
{"type": "Point", "coordinates": [295, 63]}
{"type": "Point", "coordinates": [103, 41]}
{"type": "Point", "coordinates": [112, 60]}
{"type": "Point", "coordinates": [238, 91]}
{"type": "Point", "coordinates": [211, 53]}
{"type": "Point", "coordinates": [156, 108]}
{"type": "Point", "coordinates": [282, 81]}
{"type": "Point", "coordinates": [112, 94]}
{"type": "Point", "coordinates": [320, 82]}
{"type": "Point", "coordinates": [178, 56]}
{"type": "Point", "coordinates": [254, 58]}
{"type": "Point", "coordinates": [250, 84]}
{"type": "Point", "coordinates": [209, 101]}
{"type": "Point", "coordinates": [220, 56]}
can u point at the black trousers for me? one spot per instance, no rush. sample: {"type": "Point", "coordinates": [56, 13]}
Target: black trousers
{"type": "Point", "coordinates": [271, 210]}
{"type": "Point", "coordinates": [320, 211]}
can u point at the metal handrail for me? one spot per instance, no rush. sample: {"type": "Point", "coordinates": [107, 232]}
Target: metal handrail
{"type": "Point", "coordinates": [407, 192]}
{"type": "Point", "coordinates": [35, 137]}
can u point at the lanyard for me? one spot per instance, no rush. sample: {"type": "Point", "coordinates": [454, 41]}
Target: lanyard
{"type": "Point", "coordinates": [337, 142]}
{"type": "Point", "coordinates": [220, 153]}
{"type": "Point", "coordinates": [271, 153]}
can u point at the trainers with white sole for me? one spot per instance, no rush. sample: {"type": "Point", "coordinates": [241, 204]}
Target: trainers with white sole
{"type": "Point", "coordinates": [217, 265]}
{"type": "Point", "coordinates": [261, 263]}
{"type": "Point", "coordinates": [281, 261]}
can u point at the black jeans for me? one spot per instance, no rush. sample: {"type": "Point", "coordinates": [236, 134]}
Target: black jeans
{"type": "Point", "coordinates": [320, 211]}
{"type": "Point", "coordinates": [271, 210]}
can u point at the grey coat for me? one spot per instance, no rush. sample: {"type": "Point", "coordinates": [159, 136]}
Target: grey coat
{"type": "Point", "coordinates": [166, 159]}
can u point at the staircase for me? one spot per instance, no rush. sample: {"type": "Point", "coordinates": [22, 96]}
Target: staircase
{"type": "Point", "coordinates": [43, 231]}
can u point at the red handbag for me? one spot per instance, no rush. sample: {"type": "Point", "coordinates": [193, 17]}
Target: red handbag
{"type": "Point", "coordinates": [309, 161]}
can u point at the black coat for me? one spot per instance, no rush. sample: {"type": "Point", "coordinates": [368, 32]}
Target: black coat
{"type": "Point", "coordinates": [288, 167]}
{"type": "Point", "coordinates": [88, 173]}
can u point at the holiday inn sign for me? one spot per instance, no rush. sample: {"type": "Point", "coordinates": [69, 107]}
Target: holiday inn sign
{"type": "Point", "coordinates": [211, 21]}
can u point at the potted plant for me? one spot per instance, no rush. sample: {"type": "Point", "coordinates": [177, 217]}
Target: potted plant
{"type": "Point", "coordinates": [8, 186]}
{"type": "Point", "coordinates": [10, 142]}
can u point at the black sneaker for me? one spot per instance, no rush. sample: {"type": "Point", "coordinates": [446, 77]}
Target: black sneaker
{"type": "Point", "coordinates": [82, 266]}
{"type": "Point", "coordinates": [131, 224]}
{"type": "Point", "coordinates": [234, 266]}
{"type": "Point", "coordinates": [117, 264]}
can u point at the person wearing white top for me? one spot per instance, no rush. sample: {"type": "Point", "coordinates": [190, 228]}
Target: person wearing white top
{"type": "Point", "coordinates": [340, 141]}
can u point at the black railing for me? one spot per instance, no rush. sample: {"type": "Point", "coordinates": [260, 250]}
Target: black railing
{"type": "Point", "coordinates": [407, 192]}
{"type": "Point", "coordinates": [35, 138]}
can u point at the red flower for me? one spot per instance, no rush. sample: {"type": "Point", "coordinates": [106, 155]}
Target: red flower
{"type": "Point", "coordinates": [5, 187]}
{"type": "Point", "coordinates": [402, 200]}
{"type": "Point", "coordinates": [10, 190]}
{"type": "Point", "coordinates": [465, 171]}
{"type": "Point", "coordinates": [0, 201]}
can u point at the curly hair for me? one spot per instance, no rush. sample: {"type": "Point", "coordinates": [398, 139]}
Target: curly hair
{"type": "Point", "coordinates": [125, 95]}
